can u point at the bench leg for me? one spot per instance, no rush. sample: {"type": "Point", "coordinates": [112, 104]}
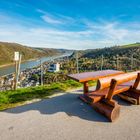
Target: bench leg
{"type": "Point", "coordinates": [137, 81]}
{"type": "Point", "coordinates": [86, 87]}
{"type": "Point", "coordinates": [110, 94]}
{"type": "Point", "coordinates": [132, 96]}
{"type": "Point", "coordinates": [111, 112]}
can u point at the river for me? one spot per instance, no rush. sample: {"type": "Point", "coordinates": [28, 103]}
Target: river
{"type": "Point", "coordinates": [29, 64]}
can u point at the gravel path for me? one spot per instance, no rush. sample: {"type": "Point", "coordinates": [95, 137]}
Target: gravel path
{"type": "Point", "coordinates": [65, 117]}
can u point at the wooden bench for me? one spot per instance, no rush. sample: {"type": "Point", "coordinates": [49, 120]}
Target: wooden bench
{"type": "Point", "coordinates": [124, 85]}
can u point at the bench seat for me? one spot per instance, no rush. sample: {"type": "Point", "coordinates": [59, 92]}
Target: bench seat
{"type": "Point", "coordinates": [96, 96]}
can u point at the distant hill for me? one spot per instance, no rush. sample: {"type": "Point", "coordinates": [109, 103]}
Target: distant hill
{"type": "Point", "coordinates": [7, 52]}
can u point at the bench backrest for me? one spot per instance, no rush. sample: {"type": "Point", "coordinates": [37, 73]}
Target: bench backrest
{"type": "Point", "coordinates": [121, 78]}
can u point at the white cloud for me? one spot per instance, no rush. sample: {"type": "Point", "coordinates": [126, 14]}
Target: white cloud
{"type": "Point", "coordinates": [51, 20]}
{"type": "Point", "coordinates": [55, 18]}
{"type": "Point", "coordinates": [116, 32]}
{"type": "Point", "coordinates": [95, 35]}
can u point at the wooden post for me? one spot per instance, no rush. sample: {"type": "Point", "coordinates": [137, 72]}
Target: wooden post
{"type": "Point", "coordinates": [86, 87]}
{"type": "Point", "coordinates": [137, 81]}
{"type": "Point", "coordinates": [111, 90]}
{"type": "Point", "coordinates": [19, 63]}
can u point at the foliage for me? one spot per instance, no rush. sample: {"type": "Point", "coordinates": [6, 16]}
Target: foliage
{"type": "Point", "coordinates": [54, 77]}
{"type": "Point", "coordinates": [35, 77]}
{"type": "Point", "coordinates": [126, 57]}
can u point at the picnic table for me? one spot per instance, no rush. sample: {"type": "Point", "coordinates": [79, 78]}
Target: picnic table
{"type": "Point", "coordinates": [89, 76]}
{"type": "Point", "coordinates": [109, 84]}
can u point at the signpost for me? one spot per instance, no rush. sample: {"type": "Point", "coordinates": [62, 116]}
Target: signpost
{"type": "Point", "coordinates": [17, 59]}
{"type": "Point", "coordinates": [16, 56]}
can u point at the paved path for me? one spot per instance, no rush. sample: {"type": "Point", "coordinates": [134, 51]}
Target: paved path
{"type": "Point", "coordinates": [65, 117]}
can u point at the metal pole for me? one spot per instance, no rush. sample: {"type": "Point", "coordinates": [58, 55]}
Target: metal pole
{"type": "Point", "coordinates": [77, 62]}
{"type": "Point", "coordinates": [41, 70]}
{"type": "Point", "coordinates": [102, 62]}
{"type": "Point", "coordinates": [117, 63]}
{"type": "Point", "coordinates": [132, 62]}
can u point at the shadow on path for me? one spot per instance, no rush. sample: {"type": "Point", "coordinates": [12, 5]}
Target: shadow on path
{"type": "Point", "coordinates": [68, 103]}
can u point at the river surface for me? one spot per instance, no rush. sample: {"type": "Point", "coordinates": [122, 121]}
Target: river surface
{"type": "Point", "coordinates": [29, 64]}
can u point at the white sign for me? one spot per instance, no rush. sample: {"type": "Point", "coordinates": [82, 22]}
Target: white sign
{"type": "Point", "coordinates": [16, 57]}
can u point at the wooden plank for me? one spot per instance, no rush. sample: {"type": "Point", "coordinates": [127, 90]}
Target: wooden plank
{"type": "Point", "coordinates": [96, 96]}
{"type": "Point", "coordinates": [121, 78]}
{"type": "Point", "coordinates": [87, 76]}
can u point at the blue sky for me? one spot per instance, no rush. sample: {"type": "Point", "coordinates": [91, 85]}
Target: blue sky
{"type": "Point", "coordinates": [70, 24]}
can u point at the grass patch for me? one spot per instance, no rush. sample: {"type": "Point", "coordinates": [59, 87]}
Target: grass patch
{"type": "Point", "coordinates": [10, 99]}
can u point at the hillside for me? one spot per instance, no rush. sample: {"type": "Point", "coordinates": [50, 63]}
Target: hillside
{"type": "Point", "coordinates": [124, 57]}
{"type": "Point", "coordinates": [121, 51]}
{"type": "Point", "coordinates": [130, 45]}
{"type": "Point", "coordinates": [7, 52]}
